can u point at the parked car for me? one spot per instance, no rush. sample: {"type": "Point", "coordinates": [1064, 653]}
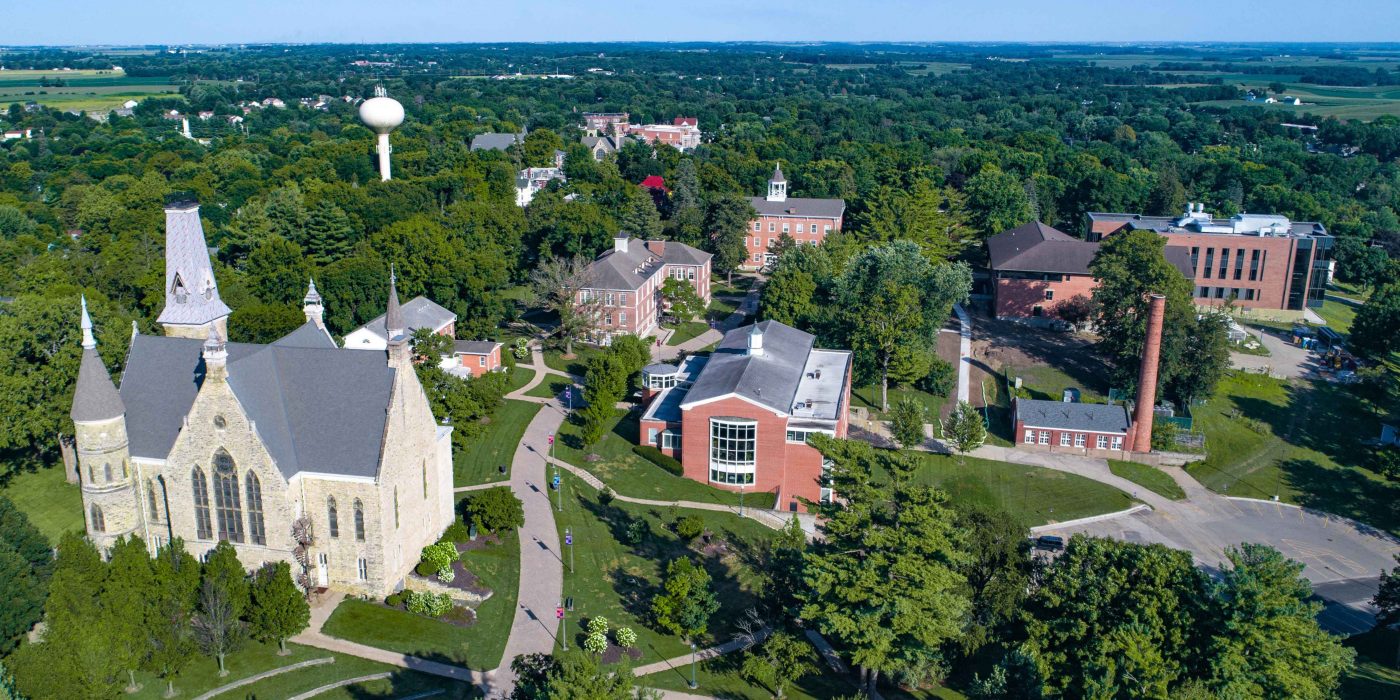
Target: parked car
{"type": "Point", "coordinates": [1050, 543]}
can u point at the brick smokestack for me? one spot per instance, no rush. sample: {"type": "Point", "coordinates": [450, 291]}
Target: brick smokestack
{"type": "Point", "coordinates": [1147, 375]}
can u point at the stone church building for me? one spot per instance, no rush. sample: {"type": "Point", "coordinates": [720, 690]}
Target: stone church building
{"type": "Point", "coordinates": [297, 450]}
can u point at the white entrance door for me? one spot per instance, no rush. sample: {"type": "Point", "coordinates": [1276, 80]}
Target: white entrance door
{"type": "Point", "coordinates": [323, 566]}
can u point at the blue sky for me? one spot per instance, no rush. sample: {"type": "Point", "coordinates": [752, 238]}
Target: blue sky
{"type": "Point", "coordinates": [233, 21]}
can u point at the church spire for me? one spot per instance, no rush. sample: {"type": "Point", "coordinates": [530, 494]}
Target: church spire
{"type": "Point", "coordinates": [192, 302]}
{"type": "Point", "coordinates": [96, 398]}
{"type": "Point", "coordinates": [393, 316]}
{"type": "Point", "coordinates": [311, 306]}
{"type": "Point", "coordinates": [777, 185]}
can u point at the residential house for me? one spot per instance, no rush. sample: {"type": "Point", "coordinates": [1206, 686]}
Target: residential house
{"type": "Point", "coordinates": [496, 141]}
{"type": "Point", "coordinates": [530, 181]}
{"type": "Point", "coordinates": [473, 358]}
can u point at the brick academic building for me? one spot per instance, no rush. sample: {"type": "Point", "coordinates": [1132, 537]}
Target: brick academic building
{"type": "Point", "coordinates": [1263, 262]}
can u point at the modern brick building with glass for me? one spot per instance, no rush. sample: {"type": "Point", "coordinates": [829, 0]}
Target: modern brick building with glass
{"type": "Point", "coordinates": [740, 419]}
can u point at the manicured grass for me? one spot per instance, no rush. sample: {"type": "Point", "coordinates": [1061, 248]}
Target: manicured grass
{"type": "Point", "coordinates": [479, 646]}
{"type": "Point", "coordinates": [1350, 291]}
{"type": "Point", "coordinates": [202, 672]}
{"type": "Point", "coordinates": [1149, 477]}
{"type": "Point", "coordinates": [687, 331]}
{"type": "Point", "coordinates": [578, 365]}
{"type": "Point", "coordinates": [1033, 495]}
{"type": "Point", "coordinates": [1375, 675]}
{"type": "Point", "coordinates": [721, 308]}
{"type": "Point", "coordinates": [1337, 315]}
{"type": "Point", "coordinates": [401, 683]}
{"type": "Point", "coordinates": [1301, 440]}
{"type": "Point", "coordinates": [619, 581]}
{"type": "Point", "coordinates": [479, 463]}
{"type": "Point", "coordinates": [720, 677]}
{"type": "Point", "coordinates": [869, 397]}
{"type": "Point", "coordinates": [1049, 383]}
{"type": "Point", "coordinates": [742, 285]}
{"type": "Point", "coordinates": [52, 504]}
{"type": "Point", "coordinates": [630, 475]}
{"type": "Point", "coordinates": [519, 377]}
{"type": "Point", "coordinates": [552, 386]}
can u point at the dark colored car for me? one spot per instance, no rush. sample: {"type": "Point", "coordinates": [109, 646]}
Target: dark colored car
{"type": "Point", "coordinates": [1050, 543]}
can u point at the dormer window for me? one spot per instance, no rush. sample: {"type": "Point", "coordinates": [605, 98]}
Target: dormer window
{"type": "Point", "coordinates": [178, 289]}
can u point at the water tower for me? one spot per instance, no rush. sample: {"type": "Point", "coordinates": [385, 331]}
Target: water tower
{"type": "Point", "coordinates": [383, 114]}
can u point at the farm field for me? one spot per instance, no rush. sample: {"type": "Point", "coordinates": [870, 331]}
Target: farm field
{"type": "Point", "coordinates": [82, 89]}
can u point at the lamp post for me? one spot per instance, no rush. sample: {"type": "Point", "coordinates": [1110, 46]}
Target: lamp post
{"type": "Point", "coordinates": [569, 540]}
{"type": "Point", "coordinates": [563, 626]}
{"type": "Point", "coordinates": [693, 683]}
{"type": "Point", "coordinates": [558, 483]}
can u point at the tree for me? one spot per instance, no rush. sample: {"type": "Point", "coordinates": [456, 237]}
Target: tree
{"type": "Point", "coordinates": [887, 329]}
{"type": "Point", "coordinates": [684, 303]}
{"type": "Point", "coordinates": [788, 297]}
{"type": "Point", "coordinates": [1268, 642]}
{"type": "Point", "coordinates": [539, 147]}
{"type": "Point", "coordinates": [907, 420]}
{"type": "Point", "coordinates": [565, 286]}
{"type": "Point", "coordinates": [685, 188]}
{"type": "Point", "coordinates": [428, 347]}
{"type": "Point", "coordinates": [996, 201]}
{"type": "Point", "coordinates": [636, 214]}
{"type": "Point", "coordinates": [25, 564]}
{"type": "Point", "coordinates": [495, 510]}
{"type": "Point", "coordinates": [277, 271]}
{"type": "Point", "coordinates": [279, 609]}
{"type": "Point", "coordinates": [1376, 329]}
{"type": "Point", "coordinates": [604, 384]}
{"type": "Point", "coordinates": [779, 662]}
{"type": "Point", "coordinates": [217, 629]}
{"type": "Point", "coordinates": [686, 601]}
{"type": "Point", "coordinates": [1129, 268]}
{"type": "Point", "coordinates": [1368, 266]}
{"type": "Point", "coordinates": [126, 599]}
{"type": "Point", "coordinates": [727, 220]}
{"type": "Point", "coordinates": [172, 604]}
{"type": "Point", "coordinates": [882, 578]}
{"type": "Point", "coordinates": [263, 323]}
{"type": "Point", "coordinates": [936, 218]}
{"type": "Point", "coordinates": [997, 571]}
{"type": "Point", "coordinates": [225, 572]}
{"type": "Point", "coordinates": [328, 233]}
{"type": "Point", "coordinates": [965, 428]}
{"type": "Point", "coordinates": [580, 677]}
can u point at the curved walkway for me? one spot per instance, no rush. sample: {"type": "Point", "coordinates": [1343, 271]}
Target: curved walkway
{"type": "Point", "coordinates": [1342, 558]}
{"type": "Point", "coordinates": [340, 684]}
{"type": "Point", "coordinates": [265, 674]}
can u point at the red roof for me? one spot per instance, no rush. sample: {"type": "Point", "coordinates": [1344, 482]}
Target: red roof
{"type": "Point", "coordinates": [685, 121]}
{"type": "Point", "coordinates": [654, 182]}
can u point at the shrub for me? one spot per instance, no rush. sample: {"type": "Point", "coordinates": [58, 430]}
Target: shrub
{"type": "Point", "coordinates": [625, 637]}
{"type": "Point", "coordinates": [598, 625]}
{"type": "Point", "coordinates": [606, 496]}
{"type": "Point", "coordinates": [425, 568]}
{"type": "Point", "coordinates": [446, 575]}
{"type": "Point", "coordinates": [457, 532]}
{"type": "Point", "coordinates": [521, 349]}
{"type": "Point", "coordinates": [437, 605]}
{"type": "Point", "coordinates": [655, 456]}
{"type": "Point", "coordinates": [439, 557]}
{"type": "Point", "coordinates": [596, 643]}
{"type": "Point", "coordinates": [636, 532]}
{"type": "Point", "coordinates": [689, 527]}
{"type": "Point", "coordinates": [494, 509]}
{"type": "Point", "coordinates": [940, 379]}
{"type": "Point", "coordinates": [416, 602]}
{"type": "Point", "coordinates": [394, 600]}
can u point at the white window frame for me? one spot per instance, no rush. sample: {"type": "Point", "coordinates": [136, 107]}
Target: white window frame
{"type": "Point", "coordinates": [772, 226]}
{"type": "Point", "coordinates": [670, 440]}
{"type": "Point", "coordinates": [1064, 438]}
{"type": "Point", "coordinates": [362, 567]}
{"type": "Point", "coordinates": [1117, 442]}
{"type": "Point", "coordinates": [731, 463]}
{"type": "Point", "coordinates": [608, 299]}
{"type": "Point", "coordinates": [1030, 436]}
{"type": "Point", "coordinates": [481, 361]}
{"type": "Point", "coordinates": [1044, 438]}
{"type": "Point", "coordinates": [799, 228]}
{"type": "Point", "coordinates": [622, 318]}
{"type": "Point", "coordinates": [607, 319]}
{"type": "Point", "coordinates": [1081, 439]}
{"type": "Point", "coordinates": [1101, 442]}
{"type": "Point", "coordinates": [757, 226]}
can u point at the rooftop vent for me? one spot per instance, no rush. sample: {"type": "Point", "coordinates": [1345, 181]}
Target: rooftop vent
{"type": "Point", "coordinates": [817, 373]}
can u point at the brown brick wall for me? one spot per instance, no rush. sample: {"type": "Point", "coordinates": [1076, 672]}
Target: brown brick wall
{"type": "Point", "coordinates": [1017, 298]}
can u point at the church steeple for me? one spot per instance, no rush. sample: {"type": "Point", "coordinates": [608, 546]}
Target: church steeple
{"type": "Point", "coordinates": [777, 185]}
{"type": "Point", "coordinates": [393, 316]}
{"type": "Point", "coordinates": [311, 306]}
{"type": "Point", "coordinates": [95, 399]}
{"type": "Point", "coordinates": [192, 303]}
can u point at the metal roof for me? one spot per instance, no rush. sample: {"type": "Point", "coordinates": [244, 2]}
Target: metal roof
{"type": "Point", "coordinates": [495, 142]}
{"type": "Point", "coordinates": [418, 312]}
{"type": "Point", "coordinates": [778, 378]}
{"type": "Point", "coordinates": [474, 347]}
{"type": "Point", "coordinates": [800, 207]}
{"type": "Point", "coordinates": [1094, 417]}
{"type": "Point", "coordinates": [191, 292]}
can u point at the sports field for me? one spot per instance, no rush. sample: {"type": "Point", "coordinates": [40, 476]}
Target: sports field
{"type": "Point", "coordinates": [89, 90]}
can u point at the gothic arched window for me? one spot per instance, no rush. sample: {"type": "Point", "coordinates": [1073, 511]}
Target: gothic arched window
{"type": "Point", "coordinates": [332, 517]}
{"type": "Point", "coordinates": [201, 504]}
{"type": "Point", "coordinates": [227, 502]}
{"type": "Point", "coordinates": [107, 472]}
{"type": "Point", "coordinates": [98, 524]}
{"type": "Point", "coordinates": [256, 532]}
{"type": "Point", "coordinates": [153, 499]}
{"type": "Point", "coordinates": [359, 520]}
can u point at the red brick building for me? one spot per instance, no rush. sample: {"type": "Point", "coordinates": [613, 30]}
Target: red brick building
{"type": "Point", "coordinates": [740, 419]}
{"type": "Point", "coordinates": [1262, 261]}
{"type": "Point", "coordinates": [808, 221]}
{"type": "Point", "coordinates": [626, 282]}
{"type": "Point", "coordinates": [1099, 430]}
{"type": "Point", "coordinates": [473, 358]}
{"type": "Point", "coordinates": [682, 134]}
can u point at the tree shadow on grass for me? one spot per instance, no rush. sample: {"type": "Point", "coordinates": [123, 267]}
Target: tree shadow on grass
{"type": "Point", "coordinates": [405, 684]}
{"type": "Point", "coordinates": [1344, 492]}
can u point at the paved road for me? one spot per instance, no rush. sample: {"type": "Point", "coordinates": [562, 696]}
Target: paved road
{"type": "Point", "coordinates": [1285, 360]}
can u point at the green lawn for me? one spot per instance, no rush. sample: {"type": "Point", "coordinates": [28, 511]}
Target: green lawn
{"type": "Point", "coordinates": [578, 365]}
{"type": "Point", "coordinates": [869, 397]}
{"type": "Point", "coordinates": [630, 475]}
{"type": "Point", "coordinates": [52, 504]}
{"type": "Point", "coordinates": [1033, 495]}
{"type": "Point", "coordinates": [201, 675]}
{"type": "Point", "coordinates": [519, 377]}
{"type": "Point", "coordinates": [1337, 315]}
{"type": "Point", "coordinates": [721, 308]}
{"type": "Point", "coordinates": [1350, 291]}
{"type": "Point", "coordinates": [742, 285]}
{"type": "Point", "coordinates": [479, 646]}
{"type": "Point", "coordinates": [618, 581]}
{"type": "Point", "coordinates": [1300, 440]}
{"type": "Point", "coordinates": [687, 331]}
{"type": "Point", "coordinates": [1149, 477]}
{"type": "Point", "coordinates": [1049, 383]}
{"type": "Point", "coordinates": [1375, 676]}
{"type": "Point", "coordinates": [552, 386]}
{"type": "Point", "coordinates": [720, 677]}
{"type": "Point", "coordinates": [480, 462]}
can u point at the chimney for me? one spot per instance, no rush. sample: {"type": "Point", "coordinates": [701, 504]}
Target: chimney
{"type": "Point", "coordinates": [1147, 375]}
{"type": "Point", "coordinates": [620, 243]}
{"type": "Point", "coordinates": [657, 247]}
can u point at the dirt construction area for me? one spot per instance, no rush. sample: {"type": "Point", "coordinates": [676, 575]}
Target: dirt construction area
{"type": "Point", "coordinates": [1024, 350]}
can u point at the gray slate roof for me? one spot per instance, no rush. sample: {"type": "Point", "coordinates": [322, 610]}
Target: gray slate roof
{"type": "Point", "coordinates": [770, 379]}
{"type": "Point", "coordinates": [187, 260]}
{"type": "Point", "coordinates": [1095, 417]}
{"type": "Point", "coordinates": [419, 312]}
{"type": "Point", "coordinates": [495, 142]}
{"type": "Point", "coordinates": [800, 206]}
{"type": "Point", "coordinates": [307, 335]}
{"type": "Point", "coordinates": [1035, 247]}
{"type": "Point", "coordinates": [619, 271]}
{"type": "Point", "coordinates": [317, 409]}
{"type": "Point", "coordinates": [95, 397]}
{"type": "Point", "coordinates": [474, 347]}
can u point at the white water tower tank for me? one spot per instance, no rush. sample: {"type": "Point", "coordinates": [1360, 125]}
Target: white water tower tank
{"type": "Point", "coordinates": [383, 114]}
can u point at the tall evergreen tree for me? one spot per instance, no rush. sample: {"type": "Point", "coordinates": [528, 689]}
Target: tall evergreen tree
{"type": "Point", "coordinates": [727, 220]}
{"type": "Point", "coordinates": [126, 600]}
{"type": "Point", "coordinates": [172, 604]}
{"type": "Point", "coordinates": [328, 234]}
{"type": "Point", "coordinates": [222, 568]}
